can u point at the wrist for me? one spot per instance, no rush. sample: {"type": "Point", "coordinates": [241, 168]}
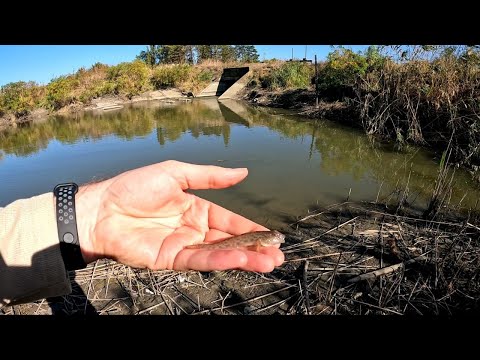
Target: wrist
{"type": "Point", "coordinates": [87, 201]}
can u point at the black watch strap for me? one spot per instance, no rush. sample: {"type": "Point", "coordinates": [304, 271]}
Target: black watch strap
{"type": "Point", "coordinates": [67, 226]}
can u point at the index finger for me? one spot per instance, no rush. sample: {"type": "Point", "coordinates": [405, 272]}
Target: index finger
{"type": "Point", "coordinates": [227, 221]}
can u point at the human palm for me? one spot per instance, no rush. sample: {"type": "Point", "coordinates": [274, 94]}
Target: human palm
{"type": "Point", "coordinates": [145, 218]}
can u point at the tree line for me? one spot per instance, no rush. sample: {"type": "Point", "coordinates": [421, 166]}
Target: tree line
{"type": "Point", "coordinates": [194, 54]}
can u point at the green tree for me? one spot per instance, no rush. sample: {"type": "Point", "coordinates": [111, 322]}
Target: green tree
{"type": "Point", "coordinates": [150, 56]}
{"type": "Point", "coordinates": [172, 54]}
{"type": "Point", "coordinates": [226, 53]}
{"type": "Point", "coordinates": [246, 53]}
{"type": "Point", "coordinates": [205, 52]}
{"type": "Point", "coordinates": [215, 52]}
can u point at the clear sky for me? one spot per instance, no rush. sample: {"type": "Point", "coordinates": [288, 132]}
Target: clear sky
{"type": "Point", "coordinates": [41, 63]}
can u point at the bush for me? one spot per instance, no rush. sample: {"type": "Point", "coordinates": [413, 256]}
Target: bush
{"type": "Point", "coordinates": [104, 87]}
{"type": "Point", "coordinates": [60, 92]}
{"type": "Point", "coordinates": [290, 75]}
{"type": "Point", "coordinates": [170, 75]}
{"type": "Point", "coordinates": [20, 97]}
{"type": "Point", "coordinates": [130, 78]}
{"type": "Point", "coordinates": [341, 71]}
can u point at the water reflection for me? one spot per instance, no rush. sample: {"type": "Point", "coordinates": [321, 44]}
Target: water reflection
{"type": "Point", "coordinates": [293, 164]}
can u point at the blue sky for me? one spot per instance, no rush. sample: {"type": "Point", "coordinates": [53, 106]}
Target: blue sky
{"type": "Point", "coordinates": [41, 63]}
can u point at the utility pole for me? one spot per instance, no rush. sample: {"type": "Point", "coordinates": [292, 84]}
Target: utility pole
{"type": "Point", "coordinates": [305, 52]}
{"type": "Point", "coordinates": [292, 54]}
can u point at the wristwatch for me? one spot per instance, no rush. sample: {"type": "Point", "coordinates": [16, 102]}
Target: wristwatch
{"type": "Point", "coordinates": [67, 226]}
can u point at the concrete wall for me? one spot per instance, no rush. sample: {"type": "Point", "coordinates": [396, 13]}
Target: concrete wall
{"type": "Point", "coordinates": [229, 78]}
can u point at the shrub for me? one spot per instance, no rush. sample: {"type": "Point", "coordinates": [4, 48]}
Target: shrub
{"type": "Point", "coordinates": [290, 75]}
{"type": "Point", "coordinates": [341, 71]}
{"type": "Point", "coordinates": [20, 97]}
{"type": "Point", "coordinates": [60, 92]}
{"type": "Point", "coordinates": [170, 75]}
{"type": "Point", "coordinates": [130, 78]}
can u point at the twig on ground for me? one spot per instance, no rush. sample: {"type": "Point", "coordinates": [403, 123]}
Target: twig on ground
{"type": "Point", "coordinates": [386, 270]}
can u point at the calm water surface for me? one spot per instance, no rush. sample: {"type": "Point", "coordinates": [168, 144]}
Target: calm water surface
{"type": "Point", "coordinates": [294, 166]}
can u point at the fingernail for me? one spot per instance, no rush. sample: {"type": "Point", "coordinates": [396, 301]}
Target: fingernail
{"type": "Point", "coordinates": [234, 173]}
{"type": "Point", "coordinates": [237, 171]}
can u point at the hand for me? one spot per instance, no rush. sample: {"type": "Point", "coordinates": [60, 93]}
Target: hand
{"type": "Point", "coordinates": [144, 218]}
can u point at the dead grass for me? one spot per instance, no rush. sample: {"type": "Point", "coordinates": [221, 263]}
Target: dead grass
{"type": "Point", "coordinates": [347, 259]}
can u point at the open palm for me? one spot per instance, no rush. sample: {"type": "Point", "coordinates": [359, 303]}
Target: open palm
{"type": "Point", "coordinates": [145, 218]}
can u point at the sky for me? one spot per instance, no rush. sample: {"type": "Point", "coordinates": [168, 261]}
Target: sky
{"type": "Point", "coordinates": [42, 63]}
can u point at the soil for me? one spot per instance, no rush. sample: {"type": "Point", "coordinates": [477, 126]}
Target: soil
{"type": "Point", "coordinates": [302, 101]}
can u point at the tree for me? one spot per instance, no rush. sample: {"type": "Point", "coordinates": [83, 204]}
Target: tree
{"type": "Point", "coordinates": [226, 53]}
{"type": "Point", "coordinates": [150, 56]}
{"type": "Point", "coordinates": [246, 53]}
{"type": "Point", "coordinates": [205, 52]}
{"type": "Point", "coordinates": [167, 54]}
{"type": "Point", "coordinates": [190, 56]}
{"type": "Point", "coordinates": [172, 54]}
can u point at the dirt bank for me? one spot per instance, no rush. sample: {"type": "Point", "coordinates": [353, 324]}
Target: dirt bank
{"type": "Point", "coordinates": [303, 102]}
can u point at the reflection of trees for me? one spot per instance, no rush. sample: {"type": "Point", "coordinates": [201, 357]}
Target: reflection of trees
{"type": "Point", "coordinates": [226, 134]}
{"type": "Point", "coordinates": [348, 152]}
{"type": "Point", "coordinates": [171, 122]}
{"type": "Point", "coordinates": [342, 151]}
{"type": "Point", "coordinates": [195, 117]}
{"type": "Point", "coordinates": [31, 138]}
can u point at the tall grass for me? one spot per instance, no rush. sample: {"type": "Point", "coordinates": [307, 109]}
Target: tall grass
{"type": "Point", "coordinates": [424, 102]}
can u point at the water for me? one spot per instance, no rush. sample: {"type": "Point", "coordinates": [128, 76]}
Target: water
{"type": "Point", "coordinates": [294, 166]}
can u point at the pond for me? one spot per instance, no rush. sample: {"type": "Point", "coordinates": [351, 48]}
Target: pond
{"type": "Point", "coordinates": [295, 166]}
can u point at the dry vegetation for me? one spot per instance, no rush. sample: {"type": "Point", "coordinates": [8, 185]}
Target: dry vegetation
{"type": "Point", "coordinates": [346, 259]}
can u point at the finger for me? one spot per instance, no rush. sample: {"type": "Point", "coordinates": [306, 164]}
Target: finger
{"type": "Point", "coordinates": [276, 254]}
{"type": "Point", "coordinates": [260, 262]}
{"type": "Point", "coordinates": [210, 260]}
{"type": "Point", "coordinates": [191, 176]}
{"type": "Point", "coordinates": [227, 221]}
{"type": "Point", "coordinates": [272, 251]}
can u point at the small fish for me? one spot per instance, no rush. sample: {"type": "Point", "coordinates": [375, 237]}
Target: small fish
{"type": "Point", "coordinates": [253, 240]}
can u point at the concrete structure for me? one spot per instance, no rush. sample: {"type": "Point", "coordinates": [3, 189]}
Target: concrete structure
{"type": "Point", "coordinates": [230, 83]}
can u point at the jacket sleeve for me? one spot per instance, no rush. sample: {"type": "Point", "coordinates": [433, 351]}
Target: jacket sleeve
{"type": "Point", "coordinates": [31, 264]}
